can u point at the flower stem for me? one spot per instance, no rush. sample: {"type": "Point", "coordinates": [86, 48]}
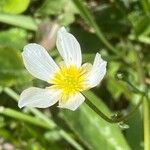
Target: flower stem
{"type": "Point", "coordinates": [146, 102]}
{"type": "Point", "coordinates": [146, 120]}
{"type": "Point", "coordinates": [110, 120]}
{"type": "Point", "coordinates": [88, 17]}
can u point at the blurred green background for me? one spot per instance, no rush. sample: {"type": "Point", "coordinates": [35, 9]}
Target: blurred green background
{"type": "Point", "coordinates": [95, 23]}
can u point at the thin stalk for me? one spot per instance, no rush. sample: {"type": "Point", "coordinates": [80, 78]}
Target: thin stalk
{"type": "Point", "coordinates": [11, 93]}
{"type": "Point", "coordinates": [114, 120]}
{"type": "Point", "coordinates": [41, 116]}
{"type": "Point", "coordinates": [46, 120]}
{"type": "Point", "coordinates": [136, 90]}
{"type": "Point", "coordinates": [146, 103]}
{"type": "Point", "coordinates": [71, 140]}
{"type": "Point", "coordinates": [146, 112]}
{"type": "Point", "coordinates": [23, 117]}
{"type": "Point", "coordinates": [86, 14]}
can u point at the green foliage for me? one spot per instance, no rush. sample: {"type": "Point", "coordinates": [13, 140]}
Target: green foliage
{"type": "Point", "coordinates": [95, 131]}
{"type": "Point", "coordinates": [119, 30]}
{"type": "Point", "coordinates": [11, 69]}
{"type": "Point", "coordinates": [14, 7]}
{"type": "Point", "coordinates": [22, 21]}
{"type": "Point", "coordinates": [51, 7]}
{"type": "Point", "coordinates": [64, 10]}
{"type": "Point", "coordinates": [14, 38]}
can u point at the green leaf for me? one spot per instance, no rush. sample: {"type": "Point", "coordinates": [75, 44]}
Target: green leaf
{"type": "Point", "coordinates": [146, 6]}
{"type": "Point", "coordinates": [19, 21]}
{"type": "Point", "coordinates": [51, 7]}
{"type": "Point", "coordinates": [68, 16]}
{"type": "Point", "coordinates": [135, 138]}
{"type": "Point", "coordinates": [65, 11]}
{"type": "Point", "coordinates": [14, 6]}
{"type": "Point", "coordinates": [141, 23]}
{"type": "Point", "coordinates": [143, 39]}
{"type": "Point", "coordinates": [15, 38]}
{"type": "Point", "coordinates": [94, 131]}
{"type": "Point", "coordinates": [12, 69]}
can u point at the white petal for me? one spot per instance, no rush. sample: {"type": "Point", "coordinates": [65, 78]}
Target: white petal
{"type": "Point", "coordinates": [38, 62]}
{"type": "Point", "coordinates": [97, 72]}
{"type": "Point", "coordinates": [72, 102]}
{"type": "Point", "coordinates": [69, 48]}
{"type": "Point", "coordinates": [37, 97]}
{"type": "Point", "coordinates": [86, 67]}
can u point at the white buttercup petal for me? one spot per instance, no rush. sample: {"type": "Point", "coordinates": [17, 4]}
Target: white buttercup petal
{"type": "Point", "coordinates": [69, 48]}
{"type": "Point", "coordinates": [72, 102]}
{"type": "Point", "coordinates": [37, 97]}
{"type": "Point", "coordinates": [97, 72]}
{"type": "Point", "coordinates": [38, 62]}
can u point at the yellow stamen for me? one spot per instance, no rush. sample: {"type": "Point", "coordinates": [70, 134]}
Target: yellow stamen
{"type": "Point", "coordinates": [69, 80]}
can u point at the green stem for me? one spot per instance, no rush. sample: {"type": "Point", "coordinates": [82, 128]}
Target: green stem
{"type": "Point", "coordinates": [23, 117]}
{"type": "Point", "coordinates": [85, 13]}
{"type": "Point", "coordinates": [136, 90]}
{"type": "Point", "coordinates": [110, 120]}
{"type": "Point", "coordinates": [11, 93]}
{"type": "Point", "coordinates": [146, 103]}
{"type": "Point", "coordinates": [146, 107]}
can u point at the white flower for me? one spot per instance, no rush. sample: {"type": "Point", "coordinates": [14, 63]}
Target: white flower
{"type": "Point", "coordinates": [66, 81]}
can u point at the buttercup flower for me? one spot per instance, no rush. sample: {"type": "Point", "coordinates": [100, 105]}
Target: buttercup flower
{"type": "Point", "coordinates": [67, 80]}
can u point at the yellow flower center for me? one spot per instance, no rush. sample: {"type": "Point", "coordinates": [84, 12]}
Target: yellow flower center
{"type": "Point", "coordinates": [69, 80]}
